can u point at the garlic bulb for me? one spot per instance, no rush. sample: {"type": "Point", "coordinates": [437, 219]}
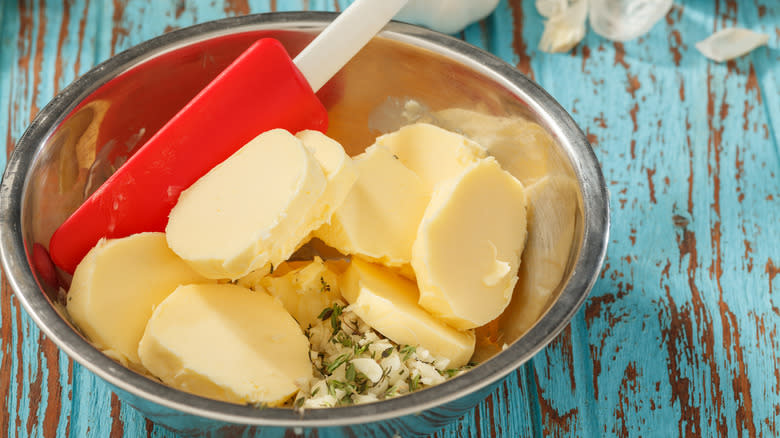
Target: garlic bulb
{"type": "Point", "coordinates": [446, 16]}
{"type": "Point", "coordinates": [565, 26]}
{"type": "Point", "coordinates": [623, 20]}
{"type": "Point", "coordinates": [731, 43]}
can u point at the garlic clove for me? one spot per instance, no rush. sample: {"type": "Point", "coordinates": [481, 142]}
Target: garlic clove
{"type": "Point", "coordinates": [730, 43]}
{"type": "Point", "coordinates": [566, 29]}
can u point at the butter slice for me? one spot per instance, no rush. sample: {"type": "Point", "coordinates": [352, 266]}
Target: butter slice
{"type": "Point", "coordinates": [252, 209]}
{"type": "Point", "coordinates": [523, 148]}
{"type": "Point", "coordinates": [117, 285]}
{"type": "Point", "coordinates": [552, 212]}
{"type": "Point", "coordinates": [305, 291]}
{"type": "Point", "coordinates": [228, 343]}
{"type": "Point", "coordinates": [379, 218]}
{"type": "Point", "coordinates": [433, 153]}
{"type": "Point", "coordinates": [388, 303]}
{"type": "Point", "coordinates": [469, 243]}
{"type": "Point", "coordinates": [339, 170]}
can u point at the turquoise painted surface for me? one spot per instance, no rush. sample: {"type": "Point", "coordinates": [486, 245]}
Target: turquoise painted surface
{"type": "Point", "coordinates": [680, 334]}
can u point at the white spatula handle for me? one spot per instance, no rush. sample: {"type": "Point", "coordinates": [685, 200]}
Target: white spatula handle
{"type": "Point", "coordinates": [343, 38]}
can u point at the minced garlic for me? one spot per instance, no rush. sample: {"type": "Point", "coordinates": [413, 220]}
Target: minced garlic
{"type": "Point", "coordinates": [353, 364]}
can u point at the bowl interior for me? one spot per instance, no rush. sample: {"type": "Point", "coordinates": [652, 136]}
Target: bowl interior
{"type": "Point", "coordinates": [110, 113]}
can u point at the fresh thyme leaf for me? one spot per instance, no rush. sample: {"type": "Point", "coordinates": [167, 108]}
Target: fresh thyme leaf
{"type": "Point", "coordinates": [316, 390]}
{"type": "Point", "coordinates": [407, 351]}
{"type": "Point", "coordinates": [331, 384]}
{"type": "Point", "coordinates": [360, 350]}
{"type": "Point", "coordinates": [325, 314]}
{"type": "Point", "coordinates": [335, 322]}
{"type": "Point", "coordinates": [387, 351]}
{"type": "Point", "coordinates": [414, 382]}
{"type": "Point", "coordinates": [299, 402]}
{"type": "Point", "coordinates": [350, 372]}
{"type": "Point", "coordinates": [344, 339]}
{"type": "Point", "coordinates": [391, 391]}
{"type": "Point", "coordinates": [338, 362]}
{"type": "Point", "coordinates": [451, 372]}
{"type": "Point", "coordinates": [324, 287]}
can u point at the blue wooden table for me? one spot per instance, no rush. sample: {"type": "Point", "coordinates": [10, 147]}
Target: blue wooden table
{"type": "Point", "coordinates": [680, 334]}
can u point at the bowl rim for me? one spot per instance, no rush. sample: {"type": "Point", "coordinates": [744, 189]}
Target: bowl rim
{"type": "Point", "coordinates": [595, 204]}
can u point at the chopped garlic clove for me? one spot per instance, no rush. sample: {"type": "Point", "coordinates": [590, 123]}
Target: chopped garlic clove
{"type": "Point", "coordinates": [567, 28]}
{"type": "Point", "coordinates": [730, 43]}
{"type": "Point", "coordinates": [369, 367]}
{"type": "Point", "coordinates": [624, 20]}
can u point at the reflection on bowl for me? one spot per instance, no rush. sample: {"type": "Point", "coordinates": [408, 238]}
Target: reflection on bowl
{"type": "Point", "coordinates": [89, 130]}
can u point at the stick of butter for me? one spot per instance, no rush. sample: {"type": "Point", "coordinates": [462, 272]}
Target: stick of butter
{"type": "Point", "coordinates": [228, 343]}
{"type": "Point", "coordinates": [379, 217]}
{"type": "Point", "coordinates": [117, 285]}
{"type": "Point", "coordinates": [388, 303]}
{"type": "Point", "coordinates": [468, 245]}
{"type": "Point", "coordinates": [433, 153]}
{"type": "Point", "coordinates": [252, 209]}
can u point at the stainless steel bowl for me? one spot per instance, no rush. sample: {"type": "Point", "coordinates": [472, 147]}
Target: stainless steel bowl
{"type": "Point", "coordinates": [76, 140]}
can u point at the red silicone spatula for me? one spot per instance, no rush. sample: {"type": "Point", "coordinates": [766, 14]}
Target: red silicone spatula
{"type": "Point", "coordinates": [261, 90]}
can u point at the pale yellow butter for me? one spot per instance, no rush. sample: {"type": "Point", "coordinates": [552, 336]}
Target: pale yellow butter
{"type": "Point", "coordinates": [305, 291]}
{"type": "Point", "coordinates": [380, 215]}
{"type": "Point", "coordinates": [339, 170]}
{"type": "Point", "coordinates": [469, 243]}
{"type": "Point", "coordinates": [228, 343]}
{"type": "Point", "coordinates": [254, 208]}
{"type": "Point", "coordinates": [117, 285]}
{"type": "Point", "coordinates": [523, 148]}
{"type": "Point", "coordinates": [433, 153]}
{"type": "Point", "coordinates": [388, 303]}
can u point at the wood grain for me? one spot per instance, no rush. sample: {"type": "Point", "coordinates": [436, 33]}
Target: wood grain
{"type": "Point", "coordinates": [680, 334]}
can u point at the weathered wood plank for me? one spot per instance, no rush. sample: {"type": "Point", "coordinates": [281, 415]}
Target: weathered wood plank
{"type": "Point", "coordinates": [680, 335]}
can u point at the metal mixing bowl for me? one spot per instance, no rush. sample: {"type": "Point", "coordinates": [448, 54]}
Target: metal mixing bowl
{"type": "Point", "coordinates": [76, 139]}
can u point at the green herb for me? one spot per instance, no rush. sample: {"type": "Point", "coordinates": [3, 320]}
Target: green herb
{"type": "Point", "coordinates": [324, 287]}
{"type": "Point", "coordinates": [332, 387]}
{"type": "Point", "coordinates": [407, 351]}
{"type": "Point", "coordinates": [325, 314]}
{"type": "Point", "coordinates": [387, 351]}
{"type": "Point", "coordinates": [451, 372]}
{"type": "Point", "coordinates": [360, 350]}
{"type": "Point", "coordinates": [338, 362]}
{"type": "Point", "coordinates": [350, 374]}
{"type": "Point", "coordinates": [346, 400]}
{"type": "Point", "coordinates": [335, 322]}
{"type": "Point", "coordinates": [344, 339]}
{"type": "Point", "coordinates": [299, 402]}
{"type": "Point", "coordinates": [391, 391]}
{"type": "Point", "coordinates": [316, 390]}
{"type": "Point", "coordinates": [414, 382]}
